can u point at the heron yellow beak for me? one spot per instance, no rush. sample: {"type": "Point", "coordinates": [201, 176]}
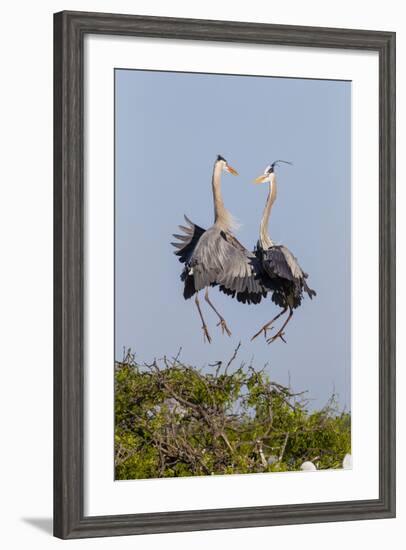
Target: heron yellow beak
{"type": "Point", "coordinates": [261, 179]}
{"type": "Point", "coordinates": [231, 170]}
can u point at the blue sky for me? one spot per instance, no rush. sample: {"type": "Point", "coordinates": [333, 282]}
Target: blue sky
{"type": "Point", "coordinates": [169, 129]}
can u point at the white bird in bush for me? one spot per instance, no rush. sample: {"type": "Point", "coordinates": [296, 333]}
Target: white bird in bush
{"type": "Point", "coordinates": [308, 466]}
{"type": "Point", "coordinates": [347, 462]}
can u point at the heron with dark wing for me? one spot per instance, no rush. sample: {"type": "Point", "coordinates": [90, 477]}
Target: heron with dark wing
{"type": "Point", "coordinates": [214, 256]}
{"type": "Point", "coordinates": [281, 272]}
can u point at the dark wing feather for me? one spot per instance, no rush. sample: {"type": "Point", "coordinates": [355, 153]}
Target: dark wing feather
{"type": "Point", "coordinates": [245, 297]}
{"type": "Point", "coordinates": [285, 274]}
{"type": "Point", "coordinates": [297, 271]}
{"type": "Point", "coordinates": [309, 290]}
{"type": "Point", "coordinates": [276, 264]}
{"type": "Point", "coordinates": [188, 241]}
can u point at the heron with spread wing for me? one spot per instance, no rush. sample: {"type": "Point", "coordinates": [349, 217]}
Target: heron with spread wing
{"type": "Point", "coordinates": [281, 272]}
{"type": "Point", "coordinates": [214, 256]}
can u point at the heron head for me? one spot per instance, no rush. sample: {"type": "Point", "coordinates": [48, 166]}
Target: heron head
{"type": "Point", "coordinates": [269, 170]}
{"type": "Point", "coordinates": [225, 166]}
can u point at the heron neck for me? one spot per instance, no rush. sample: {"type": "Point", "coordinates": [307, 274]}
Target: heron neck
{"type": "Point", "coordinates": [222, 217]}
{"type": "Point", "coordinates": [264, 236]}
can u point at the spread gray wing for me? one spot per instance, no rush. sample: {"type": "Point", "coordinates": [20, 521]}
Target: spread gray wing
{"type": "Point", "coordinates": [220, 259]}
{"type": "Point", "coordinates": [214, 257]}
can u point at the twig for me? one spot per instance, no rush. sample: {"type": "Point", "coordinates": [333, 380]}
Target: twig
{"type": "Point", "coordinates": [233, 357]}
{"type": "Point", "coordinates": [283, 447]}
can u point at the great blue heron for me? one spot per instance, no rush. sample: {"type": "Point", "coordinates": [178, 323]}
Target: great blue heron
{"type": "Point", "coordinates": [282, 274]}
{"type": "Point", "coordinates": [214, 256]}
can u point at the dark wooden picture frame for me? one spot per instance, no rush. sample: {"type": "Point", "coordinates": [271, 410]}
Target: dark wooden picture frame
{"type": "Point", "coordinates": [69, 31]}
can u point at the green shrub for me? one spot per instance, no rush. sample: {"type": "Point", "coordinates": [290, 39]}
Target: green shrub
{"type": "Point", "coordinates": [173, 420]}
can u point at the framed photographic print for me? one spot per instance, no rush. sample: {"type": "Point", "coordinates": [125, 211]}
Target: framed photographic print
{"type": "Point", "coordinates": [224, 274]}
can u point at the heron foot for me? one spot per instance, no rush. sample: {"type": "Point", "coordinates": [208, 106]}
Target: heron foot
{"type": "Point", "coordinates": [264, 330]}
{"type": "Point", "coordinates": [279, 334]}
{"type": "Point", "coordinates": [224, 328]}
{"type": "Point", "coordinates": [206, 335]}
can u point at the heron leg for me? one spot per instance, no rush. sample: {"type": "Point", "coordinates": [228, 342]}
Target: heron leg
{"type": "Point", "coordinates": [280, 334]}
{"type": "Point", "coordinates": [206, 335]}
{"type": "Point", "coordinates": [268, 326]}
{"type": "Point", "coordinates": [222, 321]}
